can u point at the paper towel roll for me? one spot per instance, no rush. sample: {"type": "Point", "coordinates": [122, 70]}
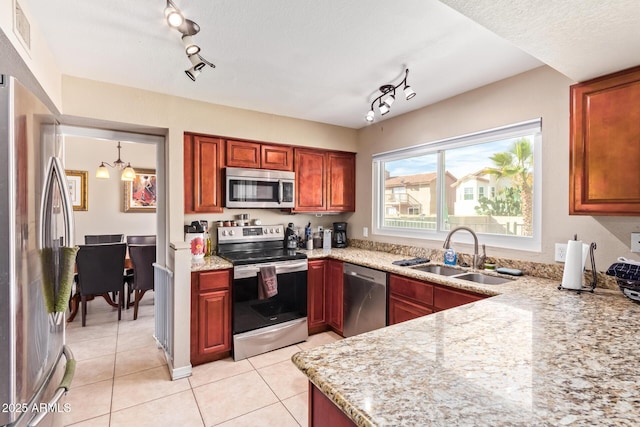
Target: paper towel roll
{"type": "Point", "coordinates": [573, 265]}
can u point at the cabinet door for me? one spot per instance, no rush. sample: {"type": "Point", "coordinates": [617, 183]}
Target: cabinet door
{"type": "Point", "coordinates": [444, 298]}
{"type": "Point", "coordinates": [203, 173]}
{"type": "Point", "coordinates": [401, 310]}
{"type": "Point", "coordinates": [210, 315]}
{"type": "Point", "coordinates": [316, 295]}
{"type": "Point", "coordinates": [341, 182]}
{"type": "Point", "coordinates": [214, 322]}
{"type": "Point", "coordinates": [243, 154]}
{"type": "Point", "coordinates": [278, 157]}
{"type": "Point", "coordinates": [605, 149]}
{"type": "Point", "coordinates": [310, 180]}
{"type": "Point", "coordinates": [335, 290]}
{"type": "Point", "coordinates": [415, 290]}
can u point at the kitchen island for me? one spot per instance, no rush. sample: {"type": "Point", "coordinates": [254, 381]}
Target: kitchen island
{"type": "Point", "coordinates": [530, 355]}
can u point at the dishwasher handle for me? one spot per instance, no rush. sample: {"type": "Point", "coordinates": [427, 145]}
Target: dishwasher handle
{"type": "Point", "coordinates": [364, 273]}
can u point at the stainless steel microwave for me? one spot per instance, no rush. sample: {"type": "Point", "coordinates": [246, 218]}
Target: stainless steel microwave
{"type": "Point", "coordinates": [259, 188]}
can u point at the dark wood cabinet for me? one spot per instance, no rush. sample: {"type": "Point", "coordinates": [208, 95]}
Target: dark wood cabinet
{"type": "Point", "coordinates": [203, 157]}
{"type": "Point", "coordinates": [341, 182]}
{"type": "Point", "coordinates": [335, 291]}
{"type": "Point", "coordinates": [410, 298]}
{"type": "Point", "coordinates": [444, 297]}
{"type": "Point", "coordinates": [325, 181]}
{"type": "Point", "coordinates": [323, 412]}
{"type": "Point", "coordinates": [605, 145]}
{"type": "Point", "coordinates": [316, 294]}
{"type": "Point", "coordinates": [210, 315]}
{"type": "Point", "coordinates": [245, 154]}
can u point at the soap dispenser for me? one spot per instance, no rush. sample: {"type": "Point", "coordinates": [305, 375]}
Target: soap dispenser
{"type": "Point", "coordinates": [450, 257]}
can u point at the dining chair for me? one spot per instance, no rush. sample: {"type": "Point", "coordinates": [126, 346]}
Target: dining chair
{"type": "Point", "coordinates": [100, 271]}
{"type": "Point", "coordinates": [142, 258]}
{"type": "Point", "coordinates": [141, 240]}
{"type": "Point", "coordinates": [92, 239]}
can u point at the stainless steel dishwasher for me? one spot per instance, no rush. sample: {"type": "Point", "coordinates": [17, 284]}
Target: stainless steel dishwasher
{"type": "Point", "coordinates": [365, 300]}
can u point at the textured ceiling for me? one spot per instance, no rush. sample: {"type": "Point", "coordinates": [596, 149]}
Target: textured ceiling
{"type": "Point", "coordinates": [314, 60]}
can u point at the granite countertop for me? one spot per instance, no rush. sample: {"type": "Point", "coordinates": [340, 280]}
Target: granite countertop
{"type": "Point", "coordinates": [529, 355]}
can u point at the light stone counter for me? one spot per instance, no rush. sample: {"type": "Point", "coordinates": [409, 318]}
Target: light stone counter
{"type": "Point", "coordinates": [531, 355]}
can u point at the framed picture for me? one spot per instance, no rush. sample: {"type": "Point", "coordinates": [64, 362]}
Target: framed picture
{"type": "Point", "coordinates": [77, 181]}
{"type": "Point", "coordinates": [140, 194]}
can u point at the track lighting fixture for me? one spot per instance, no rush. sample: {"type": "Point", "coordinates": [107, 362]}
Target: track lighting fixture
{"type": "Point", "coordinates": [389, 95]}
{"type": "Point", "coordinates": [188, 28]}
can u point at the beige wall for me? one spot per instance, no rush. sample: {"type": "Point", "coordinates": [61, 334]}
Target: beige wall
{"type": "Point", "coordinates": [542, 92]}
{"type": "Point", "coordinates": [178, 115]}
{"type": "Point", "coordinates": [105, 214]}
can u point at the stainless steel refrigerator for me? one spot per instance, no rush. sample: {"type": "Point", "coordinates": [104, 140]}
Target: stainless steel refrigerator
{"type": "Point", "coordinates": [36, 228]}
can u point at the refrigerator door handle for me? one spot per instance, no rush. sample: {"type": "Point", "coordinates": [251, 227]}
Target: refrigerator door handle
{"type": "Point", "coordinates": [62, 389]}
{"type": "Point", "coordinates": [55, 169]}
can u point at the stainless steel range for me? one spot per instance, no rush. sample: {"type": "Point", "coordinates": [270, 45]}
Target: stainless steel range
{"type": "Point", "coordinates": [261, 325]}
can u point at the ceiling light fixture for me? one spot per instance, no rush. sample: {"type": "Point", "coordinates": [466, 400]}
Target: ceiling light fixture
{"type": "Point", "coordinates": [128, 173]}
{"type": "Point", "coordinates": [389, 95]}
{"type": "Point", "coordinates": [188, 28]}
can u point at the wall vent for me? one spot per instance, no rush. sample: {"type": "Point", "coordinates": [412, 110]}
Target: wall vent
{"type": "Point", "coordinates": [22, 27]}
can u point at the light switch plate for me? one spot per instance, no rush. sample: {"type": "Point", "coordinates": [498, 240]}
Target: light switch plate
{"type": "Point", "coordinates": [635, 242]}
{"type": "Point", "coordinates": [365, 231]}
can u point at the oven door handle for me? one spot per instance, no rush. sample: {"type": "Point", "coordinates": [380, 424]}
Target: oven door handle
{"type": "Point", "coordinates": [243, 271]}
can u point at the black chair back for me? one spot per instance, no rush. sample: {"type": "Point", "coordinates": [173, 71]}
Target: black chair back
{"type": "Point", "coordinates": [101, 268]}
{"type": "Point", "coordinates": [141, 240]}
{"type": "Point", "coordinates": [142, 258]}
{"type": "Point", "coordinates": [92, 239]}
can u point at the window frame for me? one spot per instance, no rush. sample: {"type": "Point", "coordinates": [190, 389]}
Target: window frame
{"type": "Point", "coordinates": [525, 128]}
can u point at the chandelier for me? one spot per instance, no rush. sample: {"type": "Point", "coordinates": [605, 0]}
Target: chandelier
{"type": "Point", "coordinates": [188, 29]}
{"type": "Point", "coordinates": [389, 95]}
{"type": "Point", "coordinates": [128, 173]}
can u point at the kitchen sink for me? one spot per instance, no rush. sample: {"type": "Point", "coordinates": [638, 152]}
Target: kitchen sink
{"type": "Point", "coordinates": [439, 269]}
{"type": "Point", "coordinates": [483, 278]}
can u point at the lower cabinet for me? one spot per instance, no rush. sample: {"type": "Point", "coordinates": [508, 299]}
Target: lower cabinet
{"type": "Point", "coordinates": [410, 298]}
{"type": "Point", "coordinates": [316, 311]}
{"type": "Point", "coordinates": [334, 284]}
{"type": "Point", "coordinates": [324, 293]}
{"type": "Point", "coordinates": [210, 315]}
{"type": "Point", "coordinates": [323, 412]}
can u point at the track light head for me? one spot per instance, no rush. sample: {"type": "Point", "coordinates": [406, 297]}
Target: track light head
{"type": "Point", "coordinates": [190, 47]}
{"type": "Point", "coordinates": [370, 116]}
{"type": "Point", "coordinates": [192, 73]}
{"type": "Point", "coordinates": [384, 109]}
{"type": "Point", "coordinates": [408, 93]}
{"type": "Point", "coordinates": [173, 15]}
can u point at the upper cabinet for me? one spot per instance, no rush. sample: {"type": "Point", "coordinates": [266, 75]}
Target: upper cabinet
{"type": "Point", "coordinates": [605, 145]}
{"type": "Point", "coordinates": [203, 156]}
{"type": "Point", "coordinates": [244, 154]}
{"type": "Point", "coordinates": [325, 180]}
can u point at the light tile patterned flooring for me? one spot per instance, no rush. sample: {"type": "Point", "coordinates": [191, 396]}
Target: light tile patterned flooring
{"type": "Point", "coordinates": [122, 379]}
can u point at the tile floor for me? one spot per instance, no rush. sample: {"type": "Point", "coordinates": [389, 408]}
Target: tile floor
{"type": "Point", "coordinates": [122, 379]}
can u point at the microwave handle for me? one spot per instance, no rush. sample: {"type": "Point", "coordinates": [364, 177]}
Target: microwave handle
{"type": "Point", "coordinates": [280, 192]}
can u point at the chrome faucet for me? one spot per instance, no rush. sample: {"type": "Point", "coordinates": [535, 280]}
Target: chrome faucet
{"type": "Point", "coordinates": [478, 260]}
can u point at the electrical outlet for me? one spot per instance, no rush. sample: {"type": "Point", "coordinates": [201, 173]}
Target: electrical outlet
{"type": "Point", "coordinates": [365, 231]}
{"type": "Point", "coordinates": [561, 252]}
{"type": "Point", "coordinates": [635, 242]}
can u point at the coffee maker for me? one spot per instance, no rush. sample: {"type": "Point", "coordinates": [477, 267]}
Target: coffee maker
{"type": "Point", "coordinates": [339, 235]}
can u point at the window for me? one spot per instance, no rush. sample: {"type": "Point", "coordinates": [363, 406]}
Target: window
{"type": "Point", "coordinates": [445, 184]}
{"type": "Point", "coordinates": [468, 193]}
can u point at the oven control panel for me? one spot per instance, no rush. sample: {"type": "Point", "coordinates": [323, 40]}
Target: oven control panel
{"type": "Point", "coordinates": [251, 233]}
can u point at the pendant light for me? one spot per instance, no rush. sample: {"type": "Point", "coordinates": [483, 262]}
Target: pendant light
{"type": "Point", "coordinates": [128, 173]}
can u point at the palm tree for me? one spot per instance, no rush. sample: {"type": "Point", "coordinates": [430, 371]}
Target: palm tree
{"type": "Point", "coordinates": [517, 164]}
